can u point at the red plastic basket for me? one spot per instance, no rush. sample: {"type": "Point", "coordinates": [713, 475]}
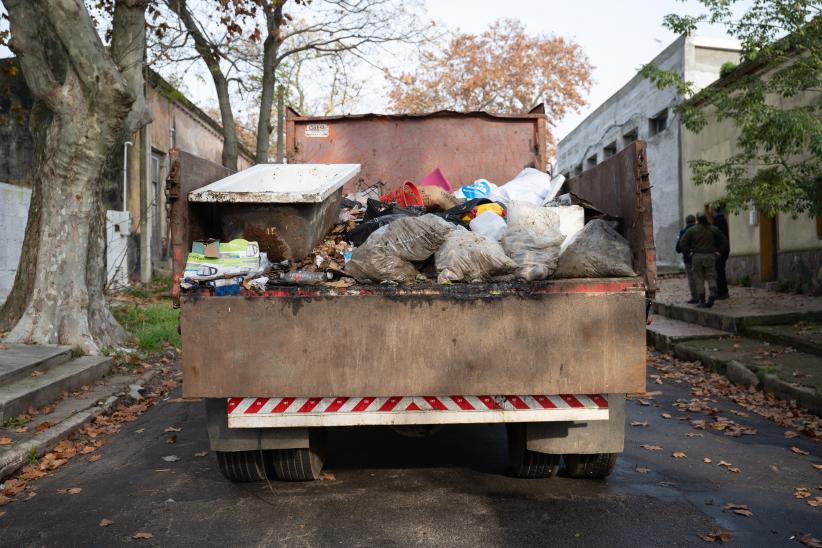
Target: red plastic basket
{"type": "Point", "coordinates": [406, 195]}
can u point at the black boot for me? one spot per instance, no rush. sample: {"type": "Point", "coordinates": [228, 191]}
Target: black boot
{"type": "Point", "coordinates": [710, 302]}
{"type": "Point", "coordinates": [693, 300]}
{"type": "Point", "coordinates": [701, 303]}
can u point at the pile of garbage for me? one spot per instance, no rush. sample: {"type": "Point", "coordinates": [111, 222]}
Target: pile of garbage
{"type": "Point", "coordinates": [420, 233]}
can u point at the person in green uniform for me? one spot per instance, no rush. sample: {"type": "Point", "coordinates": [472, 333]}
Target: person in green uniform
{"type": "Point", "coordinates": [703, 244]}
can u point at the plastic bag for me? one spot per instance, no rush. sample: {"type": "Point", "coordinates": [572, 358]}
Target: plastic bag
{"type": "Point", "coordinates": [533, 240]}
{"type": "Point", "coordinates": [596, 251]}
{"type": "Point", "coordinates": [530, 185]}
{"type": "Point", "coordinates": [471, 257]}
{"type": "Point", "coordinates": [490, 224]}
{"type": "Point", "coordinates": [480, 188]}
{"type": "Point", "coordinates": [388, 252]}
{"type": "Point", "coordinates": [435, 198]}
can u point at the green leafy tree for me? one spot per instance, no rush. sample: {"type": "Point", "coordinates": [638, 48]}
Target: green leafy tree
{"type": "Point", "coordinates": [778, 163]}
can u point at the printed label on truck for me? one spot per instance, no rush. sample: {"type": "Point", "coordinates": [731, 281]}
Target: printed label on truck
{"type": "Point", "coordinates": [317, 130]}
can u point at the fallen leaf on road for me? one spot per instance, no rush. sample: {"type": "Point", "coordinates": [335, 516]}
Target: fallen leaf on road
{"type": "Point", "coordinates": [810, 541]}
{"type": "Point", "coordinates": [801, 492]}
{"type": "Point", "coordinates": [706, 460]}
{"type": "Point", "coordinates": [816, 501]}
{"type": "Point", "coordinates": [172, 429]}
{"type": "Point", "coordinates": [21, 429]}
{"type": "Point", "coordinates": [4, 500]}
{"type": "Point", "coordinates": [799, 451]}
{"type": "Point", "coordinates": [816, 466]}
{"type": "Point", "coordinates": [639, 423]}
{"type": "Point", "coordinates": [734, 469]}
{"type": "Point", "coordinates": [172, 439]}
{"type": "Point", "coordinates": [651, 447]}
{"type": "Point", "coordinates": [741, 509]}
{"type": "Point", "coordinates": [171, 458]}
{"type": "Point", "coordinates": [105, 522]}
{"type": "Point", "coordinates": [43, 426]}
{"type": "Point", "coordinates": [6, 441]}
{"type": "Point", "coordinates": [695, 435]}
{"type": "Point", "coordinates": [141, 535]}
{"type": "Point", "coordinates": [13, 487]}
{"type": "Point", "coordinates": [94, 458]}
{"type": "Point", "coordinates": [679, 455]}
{"type": "Point", "coordinates": [201, 454]}
{"type": "Point", "coordinates": [642, 469]}
{"type": "Point", "coordinates": [31, 473]}
{"type": "Point", "coordinates": [717, 534]}
{"type": "Point", "coordinates": [70, 491]}
{"type": "Point", "coordinates": [644, 403]}
{"type": "Point", "coordinates": [666, 415]}
{"type": "Point", "coordinates": [723, 463]}
{"type": "Point", "coordinates": [3, 513]}
{"type": "Point", "coordinates": [327, 476]}
{"type": "Point", "coordinates": [773, 467]}
{"type": "Point", "coordinates": [791, 434]}
{"type": "Point", "coordinates": [37, 373]}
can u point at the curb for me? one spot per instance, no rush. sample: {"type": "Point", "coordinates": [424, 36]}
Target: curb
{"type": "Point", "coordinates": [771, 384]}
{"type": "Point", "coordinates": [15, 458]}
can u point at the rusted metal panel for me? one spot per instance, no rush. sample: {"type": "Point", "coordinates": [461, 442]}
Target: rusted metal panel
{"type": "Point", "coordinates": [620, 187]}
{"type": "Point", "coordinates": [382, 345]}
{"type": "Point", "coordinates": [395, 148]}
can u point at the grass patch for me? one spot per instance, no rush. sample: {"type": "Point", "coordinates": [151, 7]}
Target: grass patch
{"type": "Point", "coordinates": [151, 324]}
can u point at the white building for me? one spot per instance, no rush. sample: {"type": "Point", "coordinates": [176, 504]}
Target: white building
{"type": "Point", "coordinates": [641, 111]}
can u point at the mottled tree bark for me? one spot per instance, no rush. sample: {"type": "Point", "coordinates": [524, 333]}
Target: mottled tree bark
{"type": "Point", "coordinates": [87, 90]}
{"type": "Point", "coordinates": [271, 47]}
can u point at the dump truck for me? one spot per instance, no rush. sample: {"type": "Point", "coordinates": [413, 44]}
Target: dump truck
{"type": "Point", "coordinates": [553, 360]}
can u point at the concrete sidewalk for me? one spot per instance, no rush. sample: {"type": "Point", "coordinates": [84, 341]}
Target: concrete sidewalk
{"type": "Point", "coordinates": [758, 338]}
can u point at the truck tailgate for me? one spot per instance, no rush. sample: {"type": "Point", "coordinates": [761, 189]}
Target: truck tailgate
{"type": "Point", "coordinates": [553, 337]}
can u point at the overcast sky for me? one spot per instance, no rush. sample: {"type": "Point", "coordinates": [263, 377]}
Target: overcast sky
{"type": "Point", "coordinates": [617, 35]}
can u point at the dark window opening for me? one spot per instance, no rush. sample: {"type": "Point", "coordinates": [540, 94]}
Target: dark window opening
{"type": "Point", "coordinates": [609, 150]}
{"type": "Point", "coordinates": [658, 123]}
{"type": "Point", "coordinates": [591, 161]}
{"type": "Point", "coordinates": [630, 137]}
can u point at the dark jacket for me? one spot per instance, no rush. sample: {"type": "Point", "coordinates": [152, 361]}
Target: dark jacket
{"type": "Point", "coordinates": [722, 224]}
{"type": "Point", "coordinates": [704, 239]}
{"type": "Point", "coordinates": [685, 256]}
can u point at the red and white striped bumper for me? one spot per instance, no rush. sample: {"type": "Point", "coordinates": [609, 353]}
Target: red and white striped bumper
{"type": "Point", "coordinates": [399, 410]}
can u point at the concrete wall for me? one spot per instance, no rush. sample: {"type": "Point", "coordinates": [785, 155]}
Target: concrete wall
{"type": "Point", "coordinates": [800, 249]}
{"type": "Point", "coordinates": [628, 115]}
{"type": "Point", "coordinates": [14, 212]}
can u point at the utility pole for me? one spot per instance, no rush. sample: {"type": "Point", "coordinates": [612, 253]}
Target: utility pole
{"type": "Point", "coordinates": [280, 124]}
{"type": "Point", "coordinates": [146, 206]}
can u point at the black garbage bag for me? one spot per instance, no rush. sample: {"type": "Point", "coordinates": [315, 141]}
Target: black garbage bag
{"type": "Point", "coordinates": [378, 214]}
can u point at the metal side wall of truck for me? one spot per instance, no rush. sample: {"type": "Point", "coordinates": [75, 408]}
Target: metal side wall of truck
{"type": "Point", "coordinates": [552, 360]}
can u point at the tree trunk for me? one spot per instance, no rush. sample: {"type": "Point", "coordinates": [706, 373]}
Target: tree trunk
{"type": "Point", "coordinates": [84, 89]}
{"type": "Point", "coordinates": [230, 147]}
{"type": "Point", "coordinates": [266, 101]}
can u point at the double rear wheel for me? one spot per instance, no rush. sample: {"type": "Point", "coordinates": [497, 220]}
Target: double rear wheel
{"type": "Point", "coordinates": [532, 464]}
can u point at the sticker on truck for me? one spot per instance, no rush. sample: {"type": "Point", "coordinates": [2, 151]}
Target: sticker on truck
{"type": "Point", "coordinates": [317, 130]}
{"type": "Point", "coordinates": [396, 410]}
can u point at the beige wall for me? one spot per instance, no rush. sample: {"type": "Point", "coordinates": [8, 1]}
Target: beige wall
{"type": "Point", "coordinates": [716, 142]}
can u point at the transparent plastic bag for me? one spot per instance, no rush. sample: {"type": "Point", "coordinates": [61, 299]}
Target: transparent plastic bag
{"type": "Point", "coordinates": [533, 240]}
{"type": "Point", "coordinates": [596, 251]}
{"type": "Point", "coordinates": [387, 253]}
{"type": "Point", "coordinates": [471, 257]}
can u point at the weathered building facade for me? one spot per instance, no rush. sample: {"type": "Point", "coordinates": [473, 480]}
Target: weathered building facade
{"type": "Point", "coordinates": [140, 162]}
{"type": "Point", "coordinates": [641, 111]}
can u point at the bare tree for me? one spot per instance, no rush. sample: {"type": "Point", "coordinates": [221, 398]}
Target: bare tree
{"type": "Point", "coordinates": [87, 97]}
{"type": "Point", "coordinates": [220, 30]}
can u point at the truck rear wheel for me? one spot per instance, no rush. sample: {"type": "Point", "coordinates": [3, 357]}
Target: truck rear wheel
{"type": "Point", "coordinates": [525, 463]}
{"type": "Point", "coordinates": [242, 466]}
{"type": "Point", "coordinates": [595, 465]}
{"type": "Point", "coordinates": [301, 464]}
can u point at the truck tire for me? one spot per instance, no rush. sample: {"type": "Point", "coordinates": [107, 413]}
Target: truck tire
{"type": "Point", "coordinates": [525, 463]}
{"type": "Point", "coordinates": [242, 466]}
{"type": "Point", "coordinates": [301, 464]}
{"type": "Point", "coordinates": [595, 465]}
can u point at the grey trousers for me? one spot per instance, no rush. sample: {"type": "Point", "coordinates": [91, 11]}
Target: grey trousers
{"type": "Point", "coordinates": [704, 266]}
{"type": "Point", "coordinates": [689, 271]}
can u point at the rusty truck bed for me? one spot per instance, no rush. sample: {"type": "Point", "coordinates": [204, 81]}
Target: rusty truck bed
{"type": "Point", "coordinates": [552, 337]}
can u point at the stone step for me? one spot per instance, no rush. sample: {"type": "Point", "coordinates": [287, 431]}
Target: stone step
{"type": "Point", "coordinates": [727, 317]}
{"type": "Point", "coordinates": [664, 333]}
{"type": "Point", "coordinates": [18, 361]}
{"type": "Point", "coordinates": [18, 396]}
{"type": "Point", "coordinates": [805, 337]}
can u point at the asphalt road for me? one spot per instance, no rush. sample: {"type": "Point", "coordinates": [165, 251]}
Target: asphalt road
{"type": "Point", "coordinates": [450, 489]}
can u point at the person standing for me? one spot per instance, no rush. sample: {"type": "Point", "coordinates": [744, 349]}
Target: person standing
{"type": "Point", "coordinates": [690, 221]}
{"type": "Point", "coordinates": [721, 223]}
{"type": "Point", "coordinates": [704, 243]}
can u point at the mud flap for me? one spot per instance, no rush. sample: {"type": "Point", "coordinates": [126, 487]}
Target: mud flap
{"type": "Point", "coordinates": [580, 437]}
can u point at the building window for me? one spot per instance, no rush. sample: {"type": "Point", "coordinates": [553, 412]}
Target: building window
{"type": "Point", "coordinates": [658, 123]}
{"type": "Point", "coordinates": [609, 150]}
{"type": "Point", "coordinates": [591, 162]}
{"type": "Point", "coordinates": [578, 169]}
{"type": "Point", "coordinates": [630, 137]}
